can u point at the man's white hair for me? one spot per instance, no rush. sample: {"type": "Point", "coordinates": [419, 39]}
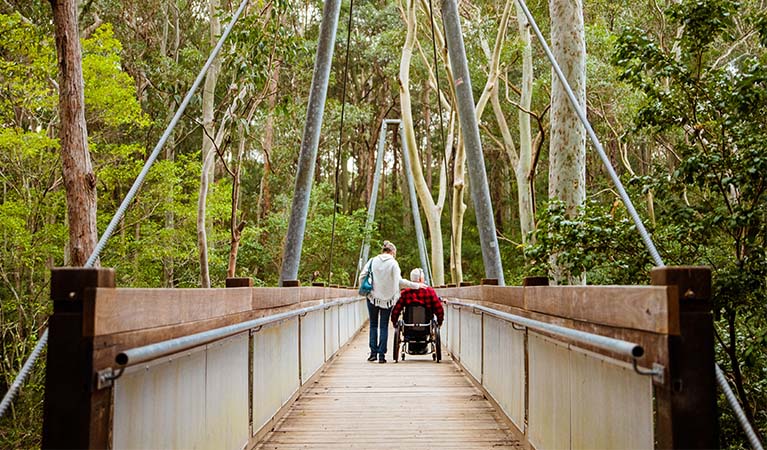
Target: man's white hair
{"type": "Point", "coordinates": [416, 274]}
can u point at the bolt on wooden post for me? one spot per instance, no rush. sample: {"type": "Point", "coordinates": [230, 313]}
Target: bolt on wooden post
{"type": "Point", "coordinates": [75, 413]}
{"type": "Point", "coordinates": [686, 402]}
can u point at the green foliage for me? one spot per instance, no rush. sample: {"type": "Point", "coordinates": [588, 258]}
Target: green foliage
{"type": "Point", "coordinates": [110, 95]}
{"type": "Point", "coordinates": [601, 242]}
{"type": "Point", "coordinates": [710, 108]}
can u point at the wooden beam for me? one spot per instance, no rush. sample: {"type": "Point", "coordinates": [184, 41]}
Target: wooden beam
{"type": "Point", "coordinates": [121, 310]}
{"type": "Point", "coordinates": [648, 308]}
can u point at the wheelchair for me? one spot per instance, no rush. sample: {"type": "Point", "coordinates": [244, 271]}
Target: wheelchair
{"type": "Point", "coordinates": [417, 334]}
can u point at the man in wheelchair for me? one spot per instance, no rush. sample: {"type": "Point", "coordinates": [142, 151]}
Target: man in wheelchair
{"type": "Point", "coordinates": [417, 338]}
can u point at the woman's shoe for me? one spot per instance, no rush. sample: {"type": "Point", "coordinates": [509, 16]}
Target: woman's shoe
{"type": "Point", "coordinates": [382, 359]}
{"type": "Point", "coordinates": [372, 357]}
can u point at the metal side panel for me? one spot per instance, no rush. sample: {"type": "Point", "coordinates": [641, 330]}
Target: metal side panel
{"type": "Point", "coordinates": [359, 311]}
{"type": "Point", "coordinates": [161, 404]}
{"type": "Point", "coordinates": [226, 393]}
{"type": "Point", "coordinates": [331, 331]}
{"type": "Point", "coordinates": [549, 385]}
{"type": "Point", "coordinates": [275, 369]}
{"type": "Point", "coordinates": [601, 391]}
{"type": "Point", "coordinates": [288, 375]}
{"type": "Point", "coordinates": [351, 324]}
{"type": "Point", "coordinates": [312, 344]}
{"type": "Point", "coordinates": [445, 330]}
{"type": "Point", "coordinates": [455, 330]}
{"type": "Point", "coordinates": [503, 373]}
{"type": "Point", "coordinates": [343, 324]}
{"type": "Point", "coordinates": [471, 342]}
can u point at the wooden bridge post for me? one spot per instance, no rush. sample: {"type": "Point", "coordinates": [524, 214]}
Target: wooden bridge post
{"type": "Point", "coordinates": [535, 281]}
{"type": "Point", "coordinates": [686, 401]}
{"type": "Point", "coordinates": [75, 413]}
{"type": "Point", "coordinates": [239, 282]}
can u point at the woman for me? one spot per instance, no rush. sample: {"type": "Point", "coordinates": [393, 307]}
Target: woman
{"type": "Point", "coordinates": [387, 281]}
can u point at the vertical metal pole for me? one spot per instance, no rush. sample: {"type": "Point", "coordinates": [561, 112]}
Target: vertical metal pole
{"type": "Point", "coordinates": [480, 193]}
{"type": "Point", "coordinates": [414, 206]}
{"type": "Point", "coordinates": [374, 194]}
{"type": "Point", "coordinates": [310, 141]}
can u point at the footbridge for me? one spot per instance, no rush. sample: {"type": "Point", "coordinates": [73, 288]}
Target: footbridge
{"type": "Point", "coordinates": [534, 366]}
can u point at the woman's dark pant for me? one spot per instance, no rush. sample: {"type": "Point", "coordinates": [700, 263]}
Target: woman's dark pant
{"type": "Point", "coordinates": [379, 328]}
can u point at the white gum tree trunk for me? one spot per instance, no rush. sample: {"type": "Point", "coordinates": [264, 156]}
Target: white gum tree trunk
{"type": "Point", "coordinates": [521, 160]}
{"type": "Point", "coordinates": [432, 210]}
{"type": "Point", "coordinates": [567, 154]}
{"type": "Point", "coordinates": [208, 151]}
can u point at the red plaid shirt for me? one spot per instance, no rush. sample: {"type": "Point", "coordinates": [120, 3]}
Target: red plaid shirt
{"type": "Point", "coordinates": [425, 296]}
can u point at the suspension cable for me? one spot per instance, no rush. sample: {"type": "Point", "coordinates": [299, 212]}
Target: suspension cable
{"type": "Point", "coordinates": [30, 362]}
{"type": "Point", "coordinates": [340, 140]}
{"type": "Point", "coordinates": [742, 420]}
{"type": "Point", "coordinates": [741, 416]}
{"type": "Point", "coordinates": [8, 397]}
{"type": "Point", "coordinates": [448, 174]}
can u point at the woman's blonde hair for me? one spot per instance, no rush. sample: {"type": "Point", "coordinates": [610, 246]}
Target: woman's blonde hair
{"type": "Point", "coordinates": [388, 247]}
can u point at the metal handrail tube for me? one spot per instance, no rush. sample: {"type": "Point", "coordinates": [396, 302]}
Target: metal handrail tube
{"type": "Point", "coordinates": [153, 351]}
{"type": "Point", "coordinates": [618, 346]}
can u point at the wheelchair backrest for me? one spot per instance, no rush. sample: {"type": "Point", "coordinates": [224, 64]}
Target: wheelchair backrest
{"type": "Point", "coordinates": [415, 314]}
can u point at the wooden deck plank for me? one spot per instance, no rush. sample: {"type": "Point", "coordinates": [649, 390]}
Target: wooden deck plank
{"type": "Point", "coordinates": [415, 403]}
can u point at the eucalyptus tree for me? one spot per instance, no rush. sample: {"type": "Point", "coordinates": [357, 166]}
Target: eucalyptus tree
{"type": "Point", "coordinates": [432, 209]}
{"type": "Point", "coordinates": [79, 178]}
{"type": "Point", "coordinates": [208, 141]}
{"type": "Point", "coordinates": [567, 144]}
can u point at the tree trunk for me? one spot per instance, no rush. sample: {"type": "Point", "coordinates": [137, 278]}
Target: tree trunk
{"type": "Point", "coordinates": [567, 154]}
{"type": "Point", "coordinates": [459, 206]}
{"type": "Point", "coordinates": [209, 89]}
{"type": "Point", "coordinates": [208, 152]}
{"type": "Point", "coordinates": [432, 211]}
{"type": "Point", "coordinates": [236, 225]}
{"type": "Point", "coordinates": [525, 162]}
{"type": "Point", "coordinates": [79, 179]}
{"type": "Point", "coordinates": [427, 132]}
{"type": "Point", "coordinates": [264, 195]}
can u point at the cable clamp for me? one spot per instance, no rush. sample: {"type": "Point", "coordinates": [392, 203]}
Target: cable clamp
{"type": "Point", "coordinates": [105, 378]}
{"type": "Point", "coordinates": [657, 372]}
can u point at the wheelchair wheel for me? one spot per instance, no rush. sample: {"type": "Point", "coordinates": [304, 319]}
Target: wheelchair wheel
{"type": "Point", "coordinates": [438, 345]}
{"type": "Point", "coordinates": [396, 345]}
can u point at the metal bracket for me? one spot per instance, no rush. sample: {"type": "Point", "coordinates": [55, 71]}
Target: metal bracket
{"type": "Point", "coordinates": [105, 378]}
{"type": "Point", "coordinates": [657, 372]}
{"type": "Point", "coordinates": [518, 327]}
{"type": "Point", "coordinates": [476, 311]}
